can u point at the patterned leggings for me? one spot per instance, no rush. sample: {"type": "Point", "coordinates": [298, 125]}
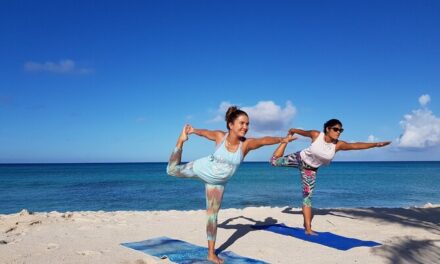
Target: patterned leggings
{"type": "Point", "coordinates": [308, 174]}
{"type": "Point", "coordinates": [214, 193]}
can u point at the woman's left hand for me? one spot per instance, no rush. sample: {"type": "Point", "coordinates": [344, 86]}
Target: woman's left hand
{"type": "Point", "coordinates": [382, 144]}
{"type": "Point", "coordinates": [288, 138]}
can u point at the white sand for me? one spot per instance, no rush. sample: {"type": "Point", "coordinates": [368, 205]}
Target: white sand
{"type": "Point", "coordinates": [408, 235]}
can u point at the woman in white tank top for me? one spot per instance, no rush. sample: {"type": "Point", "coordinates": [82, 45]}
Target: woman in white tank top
{"type": "Point", "coordinates": [321, 152]}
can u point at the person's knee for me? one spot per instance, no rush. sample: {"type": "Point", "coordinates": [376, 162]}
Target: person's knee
{"type": "Point", "coordinates": [213, 208]}
{"type": "Point", "coordinates": [307, 201]}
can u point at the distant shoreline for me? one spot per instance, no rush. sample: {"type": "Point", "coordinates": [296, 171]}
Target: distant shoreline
{"type": "Point", "coordinates": [146, 186]}
{"type": "Point", "coordinates": [316, 210]}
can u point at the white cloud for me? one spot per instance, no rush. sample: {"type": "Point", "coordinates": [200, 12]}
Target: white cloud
{"type": "Point", "coordinates": [424, 99]}
{"type": "Point", "coordinates": [265, 117]}
{"type": "Point", "coordinates": [62, 67]}
{"type": "Point", "coordinates": [220, 113]}
{"type": "Point", "coordinates": [372, 138]}
{"type": "Point", "coordinates": [421, 128]}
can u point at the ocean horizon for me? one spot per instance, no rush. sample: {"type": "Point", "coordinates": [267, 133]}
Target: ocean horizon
{"type": "Point", "coordinates": [43, 187]}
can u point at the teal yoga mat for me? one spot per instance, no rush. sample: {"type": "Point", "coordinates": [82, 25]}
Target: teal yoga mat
{"type": "Point", "coordinates": [183, 252]}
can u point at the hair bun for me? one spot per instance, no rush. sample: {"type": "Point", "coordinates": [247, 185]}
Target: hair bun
{"type": "Point", "coordinates": [230, 111]}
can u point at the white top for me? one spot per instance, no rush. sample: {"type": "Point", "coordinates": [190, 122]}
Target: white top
{"type": "Point", "coordinates": [319, 152]}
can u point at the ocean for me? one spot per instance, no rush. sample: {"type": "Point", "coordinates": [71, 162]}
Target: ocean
{"type": "Point", "coordinates": [146, 186]}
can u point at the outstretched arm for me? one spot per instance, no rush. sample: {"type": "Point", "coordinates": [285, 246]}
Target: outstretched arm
{"type": "Point", "coordinates": [313, 134]}
{"type": "Point", "coordinates": [227, 221]}
{"type": "Point", "coordinates": [342, 145]}
{"type": "Point", "coordinates": [254, 143]}
{"type": "Point", "coordinates": [214, 135]}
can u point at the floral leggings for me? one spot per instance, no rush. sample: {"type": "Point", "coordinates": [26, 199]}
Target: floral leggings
{"type": "Point", "coordinates": [308, 174]}
{"type": "Point", "coordinates": [214, 192]}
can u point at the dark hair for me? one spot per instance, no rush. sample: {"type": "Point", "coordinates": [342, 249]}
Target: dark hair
{"type": "Point", "coordinates": [331, 123]}
{"type": "Point", "coordinates": [233, 113]}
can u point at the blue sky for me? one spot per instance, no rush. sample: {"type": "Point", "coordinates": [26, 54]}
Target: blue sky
{"type": "Point", "coordinates": [107, 81]}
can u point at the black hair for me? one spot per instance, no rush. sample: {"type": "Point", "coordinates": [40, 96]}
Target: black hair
{"type": "Point", "coordinates": [331, 123]}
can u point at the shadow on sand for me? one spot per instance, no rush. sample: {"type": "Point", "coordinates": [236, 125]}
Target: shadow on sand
{"type": "Point", "coordinates": [241, 229]}
{"type": "Point", "coordinates": [400, 250]}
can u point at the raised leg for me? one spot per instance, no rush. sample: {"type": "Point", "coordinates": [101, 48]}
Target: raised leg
{"type": "Point", "coordinates": [175, 168]}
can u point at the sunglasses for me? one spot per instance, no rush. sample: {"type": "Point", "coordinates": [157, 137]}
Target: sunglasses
{"type": "Point", "coordinates": [337, 129]}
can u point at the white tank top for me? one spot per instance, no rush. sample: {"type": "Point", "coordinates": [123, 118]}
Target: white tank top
{"type": "Point", "coordinates": [220, 166]}
{"type": "Point", "coordinates": [319, 152]}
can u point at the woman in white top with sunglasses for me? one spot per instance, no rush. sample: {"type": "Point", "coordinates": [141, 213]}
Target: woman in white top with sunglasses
{"type": "Point", "coordinates": [321, 152]}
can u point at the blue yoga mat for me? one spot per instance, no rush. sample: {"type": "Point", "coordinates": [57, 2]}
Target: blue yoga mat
{"type": "Point", "coordinates": [183, 252]}
{"type": "Point", "coordinates": [324, 238]}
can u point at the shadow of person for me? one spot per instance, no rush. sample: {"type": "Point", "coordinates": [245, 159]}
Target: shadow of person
{"type": "Point", "coordinates": [241, 229]}
{"type": "Point", "coordinates": [291, 211]}
{"type": "Point", "coordinates": [316, 212]}
{"type": "Point", "coordinates": [423, 218]}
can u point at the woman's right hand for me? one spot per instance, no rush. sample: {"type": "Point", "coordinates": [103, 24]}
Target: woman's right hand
{"type": "Point", "coordinates": [292, 131]}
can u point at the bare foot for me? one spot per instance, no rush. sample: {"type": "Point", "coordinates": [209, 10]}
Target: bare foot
{"type": "Point", "coordinates": [215, 259]}
{"type": "Point", "coordinates": [183, 136]}
{"type": "Point", "coordinates": [311, 233]}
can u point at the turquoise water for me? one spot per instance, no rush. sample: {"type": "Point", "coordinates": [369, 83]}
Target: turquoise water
{"type": "Point", "coordinates": [145, 186]}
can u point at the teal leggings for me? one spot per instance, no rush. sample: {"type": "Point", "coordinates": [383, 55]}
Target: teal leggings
{"type": "Point", "coordinates": [214, 193]}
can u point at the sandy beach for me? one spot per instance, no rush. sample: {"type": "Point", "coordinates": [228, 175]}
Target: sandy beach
{"type": "Point", "coordinates": [410, 235]}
